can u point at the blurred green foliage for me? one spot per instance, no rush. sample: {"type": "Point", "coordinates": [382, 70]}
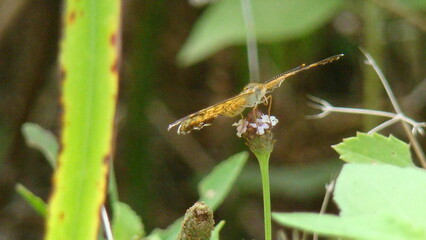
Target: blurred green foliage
{"type": "Point", "coordinates": [222, 24]}
{"type": "Point", "coordinates": [41, 140]}
{"type": "Point", "coordinates": [376, 201]}
{"type": "Point", "coordinates": [215, 187]}
{"type": "Point", "coordinates": [212, 190]}
{"type": "Point", "coordinates": [126, 223]}
{"type": "Point", "coordinates": [35, 202]}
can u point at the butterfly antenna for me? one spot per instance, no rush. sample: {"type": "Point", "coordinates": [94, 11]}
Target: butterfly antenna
{"type": "Point", "coordinates": [286, 72]}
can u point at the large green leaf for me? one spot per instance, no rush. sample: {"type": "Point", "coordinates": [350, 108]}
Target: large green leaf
{"type": "Point", "coordinates": [89, 73]}
{"type": "Point", "coordinates": [216, 186]}
{"type": "Point", "coordinates": [374, 148]}
{"type": "Point", "coordinates": [126, 224]}
{"type": "Point", "coordinates": [222, 24]}
{"type": "Point", "coordinates": [367, 227]}
{"type": "Point", "coordinates": [42, 140]}
{"type": "Point", "coordinates": [382, 189]}
{"type": "Point", "coordinates": [376, 202]}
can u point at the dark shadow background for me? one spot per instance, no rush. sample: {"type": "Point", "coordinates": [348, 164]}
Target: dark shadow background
{"type": "Point", "coordinates": [157, 171]}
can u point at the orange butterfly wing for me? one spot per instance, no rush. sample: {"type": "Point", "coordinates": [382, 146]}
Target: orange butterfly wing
{"type": "Point", "coordinates": [229, 108]}
{"type": "Point", "coordinates": [235, 105]}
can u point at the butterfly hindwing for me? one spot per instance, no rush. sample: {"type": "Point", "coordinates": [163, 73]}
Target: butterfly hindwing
{"type": "Point", "coordinates": [229, 108]}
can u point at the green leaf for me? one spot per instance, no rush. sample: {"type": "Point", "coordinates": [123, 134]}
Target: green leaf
{"type": "Point", "coordinates": [126, 224]}
{"type": "Point", "coordinates": [217, 229]}
{"type": "Point", "coordinates": [42, 140]}
{"type": "Point", "coordinates": [382, 189]}
{"type": "Point", "coordinates": [89, 75]}
{"type": "Point", "coordinates": [366, 227]}
{"type": "Point", "coordinates": [35, 202]}
{"type": "Point", "coordinates": [222, 24]}
{"type": "Point", "coordinates": [170, 233]}
{"type": "Point", "coordinates": [375, 148]}
{"type": "Point", "coordinates": [376, 202]}
{"type": "Point", "coordinates": [216, 186]}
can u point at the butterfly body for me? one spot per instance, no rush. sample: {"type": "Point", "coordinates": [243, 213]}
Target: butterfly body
{"type": "Point", "coordinates": [255, 94]}
{"type": "Point", "coordinates": [252, 95]}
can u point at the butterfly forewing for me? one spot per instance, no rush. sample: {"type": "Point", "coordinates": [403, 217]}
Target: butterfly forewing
{"type": "Point", "coordinates": [276, 81]}
{"type": "Point", "coordinates": [229, 108]}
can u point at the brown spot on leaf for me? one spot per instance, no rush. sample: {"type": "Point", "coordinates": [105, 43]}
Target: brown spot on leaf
{"type": "Point", "coordinates": [113, 39]}
{"type": "Point", "coordinates": [62, 73]}
{"type": "Point", "coordinates": [61, 113]}
{"type": "Point", "coordinates": [61, 216]}
{"type": "Point", "coordinates": [114, 66]}
{"type": "Point", "coordinates": [115, 97]}
{"type": "Point", "coordinates": [106, 159]}
{"type": "Point", "coordinates": [71, 17]}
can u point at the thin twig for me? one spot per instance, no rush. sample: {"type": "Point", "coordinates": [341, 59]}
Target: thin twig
{"type": "Point", "coordinates": [304, 235]}
{"type": "Point", "coordinates": [281, 235]}
{"type": "Point", "coordinates": [329, 188]}
{"type": "Point", "coordinates": [107, 225]}
{"type": "Point", "coordinates": [252, 55]}
{"type": "Point", "coordinates": [295, 235]}
{"type": "Point", "coordinates": [416, 146]}
{"type": "Point", "coordinates": [382, 79]}
{"type": "Point", "coordinates": [327, 108]}
{"type": "Point", "coordinates": [384, 125]}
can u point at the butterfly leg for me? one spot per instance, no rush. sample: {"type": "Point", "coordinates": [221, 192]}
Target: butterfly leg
{"type": "Point", "coordinates": [268, 101]}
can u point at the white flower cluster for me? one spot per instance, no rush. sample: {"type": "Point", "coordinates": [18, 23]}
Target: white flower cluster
{"type": "Point", "coordinates": [262, 123]}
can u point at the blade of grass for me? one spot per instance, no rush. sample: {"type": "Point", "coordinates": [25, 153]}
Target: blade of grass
{"type": "Point", "coordinates": [89, 72]}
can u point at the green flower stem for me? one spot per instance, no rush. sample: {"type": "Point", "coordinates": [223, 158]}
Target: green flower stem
{"type": "Point", "coordinates": [263, 159]}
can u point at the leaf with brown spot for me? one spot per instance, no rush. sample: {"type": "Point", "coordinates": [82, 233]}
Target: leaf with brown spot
{"type": "Point", "coordinates": [71, 17]}
{"type": "Point", "coordinates": [89, 106]}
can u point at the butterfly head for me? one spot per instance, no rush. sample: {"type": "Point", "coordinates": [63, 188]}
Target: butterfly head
{"type": "Point", "coordinates": [251, 87]}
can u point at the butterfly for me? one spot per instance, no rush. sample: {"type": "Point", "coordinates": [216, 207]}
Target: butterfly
{"type": "Point", "coordinates": [252, 95]}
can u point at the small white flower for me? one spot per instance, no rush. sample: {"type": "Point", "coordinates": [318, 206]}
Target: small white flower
{"type": "Point", "coordinates": [241, 126]}
{"type": "Point", "coordinates": [260, 126]}
{"type": "Point", "coordinates": [269, 119]}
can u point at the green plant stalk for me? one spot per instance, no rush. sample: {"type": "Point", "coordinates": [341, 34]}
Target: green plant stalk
{"type": "Point", "coordinates": [263, 158]}
{"type": "Point", "coordinates": [373, 90]}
